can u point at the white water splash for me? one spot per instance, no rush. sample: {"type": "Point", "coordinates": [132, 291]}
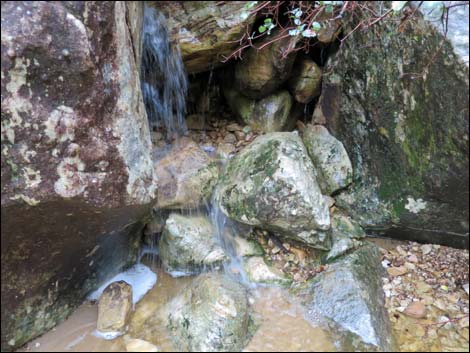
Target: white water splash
{"type": "Point", "coordinates": [139, 277]}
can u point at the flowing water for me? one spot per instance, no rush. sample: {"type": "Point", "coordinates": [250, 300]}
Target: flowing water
{"type": "Point", "coordinates": [282, 326]}
{"type": "Point", "coordinates": [164, 80]}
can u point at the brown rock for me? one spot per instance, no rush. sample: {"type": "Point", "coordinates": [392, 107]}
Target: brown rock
{"type": "Point", "coordinates": [76, 167]}
{"type": "Point", "coordinates": [416, 310]}
{"type": "Point", "coordinates": [397, 271]}
{"type": "Point", "coordinates": [305, 83]}
{"type": "Point", "coordinates": [114, 308]}
{"type": "Point", "coordinates": [186, 176]}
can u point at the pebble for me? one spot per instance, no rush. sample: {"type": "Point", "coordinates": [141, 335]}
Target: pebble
{"type": "Point", "coordinates": [416, 310]}
{"type": "Point", "coordinates": [426, 249]}
{"type": "Point", "coordinates": [397, 271]}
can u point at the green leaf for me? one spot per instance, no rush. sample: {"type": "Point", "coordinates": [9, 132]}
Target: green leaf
{"type": "Point", "coordinates": [329, 8]}
{"type": "Point", "coordinates": [261, 29]}
{"type": "Point", "coordinates": [268, 20]}
{"type": "Point", "coordinates": [316, 26]}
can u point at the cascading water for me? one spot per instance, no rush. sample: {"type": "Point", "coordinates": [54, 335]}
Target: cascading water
{"type": "Point", "coordinates": [164, 80]}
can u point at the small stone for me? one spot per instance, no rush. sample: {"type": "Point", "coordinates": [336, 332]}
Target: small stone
{"type": "Point", "coordinates": [465, 287]}
{"type": "Point", "coordinates": [233, 127]}
{"type": "Point", "coordinates": [275, 250]}
{"type": "Point", "coordinates": [114, 308]}
{"type": "Point", "coordinates": [426, 249]}
{"type": "Point", "coordinates": [410, 266]}
{"type": "Point", "coordinates": [240, 135]}
{"type": "Point", "coordinates": [230, 138]}
{"type": "Point", "coordinates": [65, 53]}
{"type": "Point", "coordinates": [397, 271]}
{"type": "Point", "coordinates": [11, 53]}
{"type": "Point", "coordinates": [416, 310]}
{"type": "Point", "coordinates": [413, 258]}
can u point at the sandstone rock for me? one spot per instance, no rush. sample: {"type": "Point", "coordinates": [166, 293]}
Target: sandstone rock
{"type": "Point", "coordinates": [271, 184]}
{"type": "Point", "coordinates": [349, 295]}
{"type": "Point", "coordinates": [404, 121]}
{"type": "Point", "coordinates": [114, 309]}
{"type": "Point", "coordinates": [205, 31]}
{"type": "Point", "coordinates": [188, 244]}
{"type": "Point", "coordinates": [269, 114]}
{"type": "Point", "coordinates": [261, 72]}
{"type": "Point", "coordinates": [246, 247]}
{"type": "Point", "coordinates": [329, 158]}
{"type": "Point", "coordinates": [305, 82]}
{"type": "Point", "coordinates": [209, 315]}
{"type": "Point", "coordinates": [76, 168]}
{"type": "Point", "coordinates": [138, 345]}
{"type": "Point", "coordinates": [258, 271]}
{"type": "Point", "coordinates": [186, 177]}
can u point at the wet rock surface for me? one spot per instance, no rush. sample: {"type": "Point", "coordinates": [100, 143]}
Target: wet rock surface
{"type": "Point", "coordinates": [349, 293]}
{"type": "Point", "coordinates": [205, 31]}
{"type": "Point", "coordinates": [188, 245]}
{"type": "Point", "coordinates": [210, 315]}
{"type": "Point", "coordinates": [271, 184]}
{"type": "Point", "coordinates": [186, 176]}
{"type": "Point", "coordinates": [114, 309]}
{"type": "Point", "coordinates": [77, 176]}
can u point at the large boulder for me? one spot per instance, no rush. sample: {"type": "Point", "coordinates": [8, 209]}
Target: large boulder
{"type": "Point", "coordinates": [76, 168]}
{"type": "Point", "coordinates": [329, 158]}
{"type": "Point", "coordinates": [401, 111]}
{"type": "Point", "coordinates": [305, 82]}
{"type": "Point", "coordinates": [188, 244]}
{"type": "Point", "coordinates": [269, 114]}
{"type": "Point", "coordinates": [262, 71]}
{"type": "Point", "coordinates": [210, 315]}
{"type": "Point", "coordinates": [186, 176]}
{"type": "Point", "coordinates": [206, 31]}
{"type": "Point", "coordinates": [271, 184]}
{"type": "Point", "coordinates": [349, 296]}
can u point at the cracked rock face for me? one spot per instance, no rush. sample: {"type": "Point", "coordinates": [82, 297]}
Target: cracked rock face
{"type": "Point", "coordinates": [271, 184]}
{"type": "Point", "coordinates": [76, 169]}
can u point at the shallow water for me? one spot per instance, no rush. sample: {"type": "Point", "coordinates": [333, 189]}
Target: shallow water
{"type": "Point", "coordinates": [281, 326]}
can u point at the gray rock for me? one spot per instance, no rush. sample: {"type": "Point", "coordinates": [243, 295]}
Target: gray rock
{"type": "Point", "coordinates": [334, 169]}
{"type": "Point", "coordinates": [271, 184]}
{"type": "Point", "coordinates": [349, 296]}
{"type": "Point", "coordinates": [209, 315]}
{"type": "Point", "coordinates": [188, 245]}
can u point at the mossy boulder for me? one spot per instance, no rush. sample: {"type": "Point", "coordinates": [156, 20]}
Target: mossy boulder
{"type": "Point", "coordinates": [400, 108]}
{"type": "Point", "coordinates": [188, 245]}
{"type": "Point", "coordinates": [271, 184]}
{"type": "Point", "coordinates": [329, 158]}
{"type": "Point", "coordinates": [210, 315]}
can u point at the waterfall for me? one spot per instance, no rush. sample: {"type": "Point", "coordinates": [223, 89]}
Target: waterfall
{"type": "Point", "coordinates": [164, 80]}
